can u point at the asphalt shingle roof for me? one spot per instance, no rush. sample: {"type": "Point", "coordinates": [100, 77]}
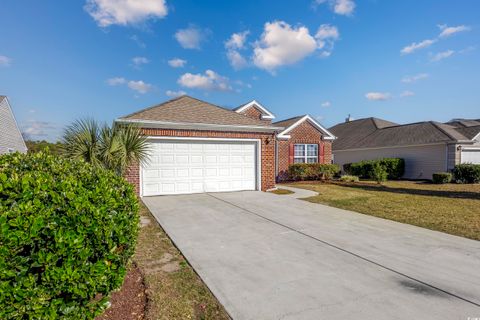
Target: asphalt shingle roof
{"type": "Point", "coordinates": [186, 109]}
{"type": "Point", "coordinates": [375, 133]}
{"type": "Point", "coordinates": [287, 122]}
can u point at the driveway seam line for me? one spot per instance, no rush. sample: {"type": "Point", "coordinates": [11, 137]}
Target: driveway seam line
{"type": "Point", "coordinates": [348, 252]}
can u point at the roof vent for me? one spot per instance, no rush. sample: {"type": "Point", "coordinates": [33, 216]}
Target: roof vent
{"type": "Point", "coordinates": [349, 118]}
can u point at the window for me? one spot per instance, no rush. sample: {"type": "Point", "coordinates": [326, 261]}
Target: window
{"type": "Point", "coordinates": [305, 153]}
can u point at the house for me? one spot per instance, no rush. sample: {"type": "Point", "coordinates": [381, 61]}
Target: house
{"type": "Point", "coordinates": [427, 147]}
{"type": "Point", "coordinates": [196, 146]}
{"type": "Point", "coordinates": [11, 139]}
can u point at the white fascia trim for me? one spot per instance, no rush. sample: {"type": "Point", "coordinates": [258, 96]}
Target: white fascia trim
{"type": "Point", "coordinates": [253, 103]}
{"type": "Point", "coordinates": [471, 149]}
{"type": "Point", "coordinates": [284, 135]}
{"type": "Point", "coordinates": [197, 126]}
{"type": "Point", "coordinates": [392, 147]}
{"type": "Point", "coordinates": [477, 137]}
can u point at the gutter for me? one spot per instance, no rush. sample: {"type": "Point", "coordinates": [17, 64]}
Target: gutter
{"type": "Point", "coordinates": [198, 126]}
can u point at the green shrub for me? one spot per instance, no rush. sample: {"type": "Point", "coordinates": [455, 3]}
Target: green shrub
{"type": "Point", "coordinates": [467, 173]}
{"type": "Point", "coordinates": [67, 231]}
{"type": "Point", "coordinates": [312, 171]}
{"type": "Point", "coordinates": [379, 173]}
{"type": "Point", "coordinates": [348, 178]}
{"type": "Point", "coordinates": [395, 168]}
{"type": "Point", "coordinates": [442, 177]}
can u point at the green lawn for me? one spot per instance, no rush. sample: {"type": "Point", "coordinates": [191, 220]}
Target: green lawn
{"type": "Point", "coordinates": [174, 290]}
{"type": "Point", "coordinates": [450, 208]}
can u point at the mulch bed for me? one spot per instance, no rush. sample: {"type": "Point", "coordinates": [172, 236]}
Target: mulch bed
{"type": "Point", "coordinates": [130, 301]}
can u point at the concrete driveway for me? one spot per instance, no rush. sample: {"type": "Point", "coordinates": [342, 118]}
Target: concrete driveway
{"type": "Point", "coordinates": [266, 256]}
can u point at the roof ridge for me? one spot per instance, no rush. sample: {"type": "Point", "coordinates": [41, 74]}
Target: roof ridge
{"type": "Point", "coordinates": [436, 125]}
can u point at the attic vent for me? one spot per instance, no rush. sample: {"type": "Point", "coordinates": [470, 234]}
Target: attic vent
{"type": "Point", "coordinates": [349, 118]}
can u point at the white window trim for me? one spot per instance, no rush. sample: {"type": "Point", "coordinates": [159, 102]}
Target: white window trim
{"type": "Point", "coordinates": [258, 143]}
{"type": "Point", "coordinates": [328, 134]}
{"type": "Point", "coordinates": [305, 156]}
{"type": "Point", "coordinates": [254, 103]}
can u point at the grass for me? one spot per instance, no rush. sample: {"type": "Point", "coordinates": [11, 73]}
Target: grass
{"type": "Point", "coordinates": [174, 290]}
{"type": "Point", "coordinates": [450, 208]}
{"type": "Point", "coordinates": [281, 191]}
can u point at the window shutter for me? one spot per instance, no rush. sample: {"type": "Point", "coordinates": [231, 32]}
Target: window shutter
{"type": "Point", "coordinates": [291, 153]}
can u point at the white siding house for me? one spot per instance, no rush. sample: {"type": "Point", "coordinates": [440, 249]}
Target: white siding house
{"type": "Point", "coordinates": [11, 139]}
{"type": "Point", "coordinates": [427, 147]}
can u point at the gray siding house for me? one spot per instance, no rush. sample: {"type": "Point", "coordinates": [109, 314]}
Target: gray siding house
{"type": "Point", "coordinates": [11, 139]}
{"type": "Point", "coordinates": [427, 147]}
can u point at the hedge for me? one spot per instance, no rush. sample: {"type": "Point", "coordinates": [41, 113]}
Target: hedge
{"type": "Point", "coordinates": [312, 171]}
{"type": "Point", "coordinates": [467, 173]}
{"type": "Point", "coordinates": [347, 178]}
{"type": "Point", "coordinates": [67, 233]}
{"type": "Point", "coordinates": [442, 177]}
{"type": "Point", "coordinates": [395, 168]}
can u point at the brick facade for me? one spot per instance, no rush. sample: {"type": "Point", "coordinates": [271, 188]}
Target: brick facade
{"type": "Point", "coordinates": [254, 113]}
{"type": "Point", "coordinates": [303, 133]}
{"type": "Point", "coordinates": [267, 151]}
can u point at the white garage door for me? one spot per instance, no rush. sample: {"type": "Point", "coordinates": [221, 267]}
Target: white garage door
{"type": "Point", "coordinates": [471, 156]}
{"type": "Point", "coordinates": [193, 166]}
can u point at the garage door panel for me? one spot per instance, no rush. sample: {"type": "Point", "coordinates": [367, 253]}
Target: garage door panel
{"type": "Point", "coordinates": [199, 166]}
{"type": "Point", "coordinates": [471, 156]}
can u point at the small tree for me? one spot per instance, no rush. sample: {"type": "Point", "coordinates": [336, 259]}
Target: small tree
{"type": "Point", "coordinates": [113, 148]}
{"type": "Point", "coordinates": [379, 173]}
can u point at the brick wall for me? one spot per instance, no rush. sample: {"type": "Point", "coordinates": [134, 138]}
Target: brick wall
{"type": "Point", "coordinates": [304, 133]}
{"type": "Point", "coordinates": [254, 113]}
{"type": "Point", "coordinates": [267, 150]}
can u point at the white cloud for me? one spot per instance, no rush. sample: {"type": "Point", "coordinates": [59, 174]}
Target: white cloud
{"type": "Point", "coordinates": [414, 78]}
{"type": "Point", "coordinates": [342, 7]}
{"type": "Point", "coordinates": [125, 12]}
{"type": "Point", "coordinates": [38, 129]}
{"type": "Point", "coordinates": [326, 36]}
{"type": "Point", "coordinates": [326, 104]}
{"type": "Point", "coordinates": [280, 44]}
{"type": "Point", "coordinates": [191, 37]}
{"type": "Point", "coordinates": [139, 86]}
{"type": "Point", "coordinates": [5, 61]}
{"type": "Point", "coordinates": [237, 40]}
{"type": "Point", "coordinates": [139, 61]}
{"type": "Point", "coordinates": [138, 41]}
{"type": "Point", "coordinates": [208, 81]}
{"type": "Point", "coordinates": [442, 55]}
{"type": "Point", "coordinates": [174, 94]}
{"type": "Point", "coordinates": [448, 31]}
{"type": "Point", "coordinates": [177, 63]}
{"type": "Point", "coordinates": [377, 96]}
{"type": "Point", "coordinates": [416, 46]}
{"type": "Point", "coordinates": [237, 61]}
{"type": "Point", "coordinates": [407, 93]}
{"type": "Point", "coordinates": [116, 81]}
{"type": "Point", "coordinates": [233, 46]}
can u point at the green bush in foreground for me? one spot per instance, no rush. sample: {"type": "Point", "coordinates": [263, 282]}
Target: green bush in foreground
{"type": "Point", "coordinates": [67, 231]}
{"type": "Point", "coordinates": [379, 173]}
{"type": "Point", "coordinates": [442, 177]}
{"type": "Point", "coordinates": [467, 173]}
{"type": "Point", "coordinates": [348, 178]}
{"type": "Point", "coordinates": [312, 171]}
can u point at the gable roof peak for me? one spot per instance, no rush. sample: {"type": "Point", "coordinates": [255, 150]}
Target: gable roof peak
{"type": "Point", "coordinates": [266, 115]}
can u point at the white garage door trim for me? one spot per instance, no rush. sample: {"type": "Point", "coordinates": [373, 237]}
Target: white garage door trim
{"type": "Point", "coordinates": [257, 142]}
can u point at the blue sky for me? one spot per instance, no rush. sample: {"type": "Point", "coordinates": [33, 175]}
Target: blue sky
{"type": "Point", "coordinates": [403, 61]}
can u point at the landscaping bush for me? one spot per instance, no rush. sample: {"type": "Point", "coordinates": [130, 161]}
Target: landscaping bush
{"type": "Point", "coordinates": [467, 173]}
{"type": "Point", "coordinates": [67, 231]}
{"type": "Point", "coordinates": [312, 171]}
{"type": "Point", "coordinates": [379, 173]}
{"type": "Point", "coordinates": [348, 178]}
{"type": "Point", "coordinates": [442, 177]}
{"type": "Point", "coordinates": [395, 168]}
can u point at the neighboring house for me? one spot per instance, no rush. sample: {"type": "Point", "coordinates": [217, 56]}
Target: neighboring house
{"type": "Point", "coordinates": [199, 147]}
{"type": "Point", "coordinates": [11, 139]}
{"type": "Point", "coordinates": [427, 147]}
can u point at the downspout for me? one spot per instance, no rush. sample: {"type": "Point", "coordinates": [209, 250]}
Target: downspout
{"type": "Point", "coordinates": [276, 157]}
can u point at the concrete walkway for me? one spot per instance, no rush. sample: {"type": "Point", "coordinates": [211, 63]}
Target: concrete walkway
{"type": "Point", "coordinates": [297, 192]}
{"type": "Point", "coordinates": [266, 256]}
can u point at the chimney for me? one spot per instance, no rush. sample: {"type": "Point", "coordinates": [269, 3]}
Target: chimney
{"type": "Point", "coordinates": [349, 118]}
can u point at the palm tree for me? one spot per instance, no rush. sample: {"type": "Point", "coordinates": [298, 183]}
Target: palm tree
{"type": "Point", "coordinates": [114, 148]}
